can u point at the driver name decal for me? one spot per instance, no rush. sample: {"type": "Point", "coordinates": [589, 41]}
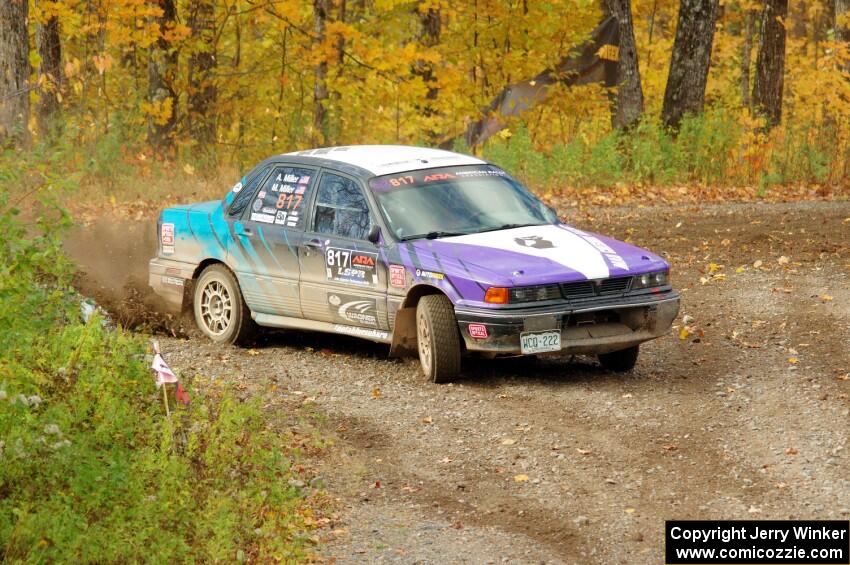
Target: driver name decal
{"type": "Point", "coordinates": [351, 266]}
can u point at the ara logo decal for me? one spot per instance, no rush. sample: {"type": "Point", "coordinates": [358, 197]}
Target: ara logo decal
{"type": "Point", "coordinates": [365, 260]}
{"type": "Point", "coordinates": [438, 176]}
{"type": "Point", "coordinates": [534, 241]}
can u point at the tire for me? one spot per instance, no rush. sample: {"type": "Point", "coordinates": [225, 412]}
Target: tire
{"type": "Point", "coordinates": [220, 311]}
{"type": "Point", "coordinates": [621, 361]}
{"type": "Point", "coordinates": [438, 338]}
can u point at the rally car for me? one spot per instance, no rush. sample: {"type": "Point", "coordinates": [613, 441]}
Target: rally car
{"type": "Point", "coordinates": [429, 251]}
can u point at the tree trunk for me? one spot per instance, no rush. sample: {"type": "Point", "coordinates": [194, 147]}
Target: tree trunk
{"type": "Point", "coordinates": [320, 87]}
{"type": "Point", "coordinates": [746, 58]}
{"type": "Point", "coordinates": [770, 64]}
{"type": "Point", "coordinates": [162, 70]}
{"type": "Point", "coordinates": [429, 37]}
{"type": "Point", "coordinates": [685, 92]}
{"type": "Point", "coordinates": [14, 71]}
{"type": "Point", "coordinates": [842, 29]}
{"type": "Point", "coordinates": [202, 88]}
{"type": "Point", "coordinates": [628, 106]}
{"type": "Point", "coordinates": [50, 79]}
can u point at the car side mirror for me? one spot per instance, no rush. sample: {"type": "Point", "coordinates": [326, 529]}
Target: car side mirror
{"type": "Point", "coordinates": [374, 235]}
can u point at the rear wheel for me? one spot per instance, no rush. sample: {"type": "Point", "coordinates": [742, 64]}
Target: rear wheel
{"type": "Point", "coordinates": [220, 311]}
{"type": "Point", "coordinates": [438, 338]}
{"type": "Point", "coordinates": [620, 361]}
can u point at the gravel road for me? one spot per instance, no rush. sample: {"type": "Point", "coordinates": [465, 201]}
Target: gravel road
{"type": "Point", "coordinates": [742, 412]}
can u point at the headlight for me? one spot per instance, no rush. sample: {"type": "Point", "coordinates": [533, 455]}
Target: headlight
{"type": "Point", "coordinates": [535, 293]}
{"type": "Point", "coordinates": [651, 280]}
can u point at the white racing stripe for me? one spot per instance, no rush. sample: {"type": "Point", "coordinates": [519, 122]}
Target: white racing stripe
{"type": "Point", "coordinates": [547, 242]}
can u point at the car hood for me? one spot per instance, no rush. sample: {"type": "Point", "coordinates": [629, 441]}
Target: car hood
{"type": "Point", "coordinates": [534, 255]}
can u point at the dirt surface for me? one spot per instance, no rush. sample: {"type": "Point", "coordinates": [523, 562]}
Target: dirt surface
{"type": "Point", "coordinates": [742, 412]}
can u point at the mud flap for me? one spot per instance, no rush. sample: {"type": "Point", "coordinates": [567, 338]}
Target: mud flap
{"type": "Point", "coordinates": [404, 333]}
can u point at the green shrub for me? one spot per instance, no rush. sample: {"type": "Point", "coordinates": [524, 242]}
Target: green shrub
{"type": "Point", "coordinates": [91, 469]}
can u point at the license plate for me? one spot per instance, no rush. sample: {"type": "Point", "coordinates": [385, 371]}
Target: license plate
{"type": "Point", "coordinates": [539, 342]}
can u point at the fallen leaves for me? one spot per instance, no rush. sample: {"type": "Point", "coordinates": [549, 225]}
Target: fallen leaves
{"type": "Point", "coordinates": [583, 451]}
{"type": "Point", "coordinates": [376, 393]}
{"type": "Point", "coordinates": [521, 478]}
{"type": "Point", "coordinates": [791, 451]}
{"type": "Point", "coordinates": [508, 441]}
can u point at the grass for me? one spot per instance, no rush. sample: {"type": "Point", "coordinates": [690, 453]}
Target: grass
{"type": "Point", "coordinates": [91, 468]}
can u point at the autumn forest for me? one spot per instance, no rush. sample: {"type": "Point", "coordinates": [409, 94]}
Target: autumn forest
{"type": "Point", "coordinates": [736, 92]}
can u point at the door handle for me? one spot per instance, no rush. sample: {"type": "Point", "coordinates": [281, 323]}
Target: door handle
{"type": "Point", "coordinates": [313, 243]}
{"type": "Point", "coordinates": [246, 232]}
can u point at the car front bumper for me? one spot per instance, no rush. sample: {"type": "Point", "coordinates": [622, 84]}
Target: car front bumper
{"type": "Point", "coordinates": [591, 328]}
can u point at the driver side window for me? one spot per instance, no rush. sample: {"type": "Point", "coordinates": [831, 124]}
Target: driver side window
{"type": "Point", "coordinates": [341, 208]}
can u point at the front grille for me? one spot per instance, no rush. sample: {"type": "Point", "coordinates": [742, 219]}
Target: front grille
{"type": "Point", "coordinates": [589, 289]}
{"type": "Point", "coordinates": [578, 290]}
{"type": "Point", "coordinates": [582, 289]}
{"type": "Point", "coordinates": [615, 285]}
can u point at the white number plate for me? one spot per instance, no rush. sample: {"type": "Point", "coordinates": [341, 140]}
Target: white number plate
{"type": "Point", "coordinates": [539, 342]}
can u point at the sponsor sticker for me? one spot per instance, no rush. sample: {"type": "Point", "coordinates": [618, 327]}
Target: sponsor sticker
{"type": "Point", "coordinates": [352, 266]}
{"type": "Point", "coordinates": [354, 309]}
{"type": "Point", "coordinates": [261, 194]}
{"type": "Point", "coordinates": [478, 331]}
{"type": "Point", "coordinates": [173, 281]}
{"type": "Point", "coordinates": [305, 179]}
{"type": "Point", "coordinates": [237, 187]}
{"type": "Point", "coordinates": [433, 275]}
{"type": "Point", "coordinates": [361, 332]}
{"type": "Point", "coordinates": [398, 276]}
{"type": "Point", "coordinates": [166, 238]}
{"type": "Point", "coordinates": [258, 203]}
{"type": "Point", "coordinates": [264, 218]}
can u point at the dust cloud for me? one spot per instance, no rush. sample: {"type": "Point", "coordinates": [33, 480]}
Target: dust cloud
{"type": "Point", "coordinates": [112, 257]}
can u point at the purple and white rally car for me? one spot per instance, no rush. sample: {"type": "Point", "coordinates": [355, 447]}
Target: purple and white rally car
{"type": "Point", "coordinates": [426, 250]}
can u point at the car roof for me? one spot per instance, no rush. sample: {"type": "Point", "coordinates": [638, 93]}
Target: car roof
{"type": "Point", "coordinates": [388, 159]}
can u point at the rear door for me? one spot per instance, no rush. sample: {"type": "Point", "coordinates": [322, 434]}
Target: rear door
{"type": "Point", "coordinates": [268, 232]}
{"type": "Point", "coordinates": [343, 280]}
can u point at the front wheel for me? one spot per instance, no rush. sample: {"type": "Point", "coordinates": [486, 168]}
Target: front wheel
{"type": "Point", "coordinates": [220, 310]}
{"type": "Point", "coordinates": [438, 338]}
{"type": "Point", "coordinates": [621, 361]}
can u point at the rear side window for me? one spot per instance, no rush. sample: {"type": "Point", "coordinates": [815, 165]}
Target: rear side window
{"type": "Point", "coordinates": [246, 191]}
{"type": "Point", "coordinates": [281, 199]}
{"type": "Point", "coordinates": [341, 208]}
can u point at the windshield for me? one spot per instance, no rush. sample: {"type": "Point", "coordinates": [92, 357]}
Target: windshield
{"type": "Point", "coordinates": [447, 201]}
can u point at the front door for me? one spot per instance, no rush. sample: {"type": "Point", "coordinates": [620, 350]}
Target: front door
{"type": "Point", "coordinates": [270, 232]}
{"type": "Point", "coordinates": [343, 280]}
